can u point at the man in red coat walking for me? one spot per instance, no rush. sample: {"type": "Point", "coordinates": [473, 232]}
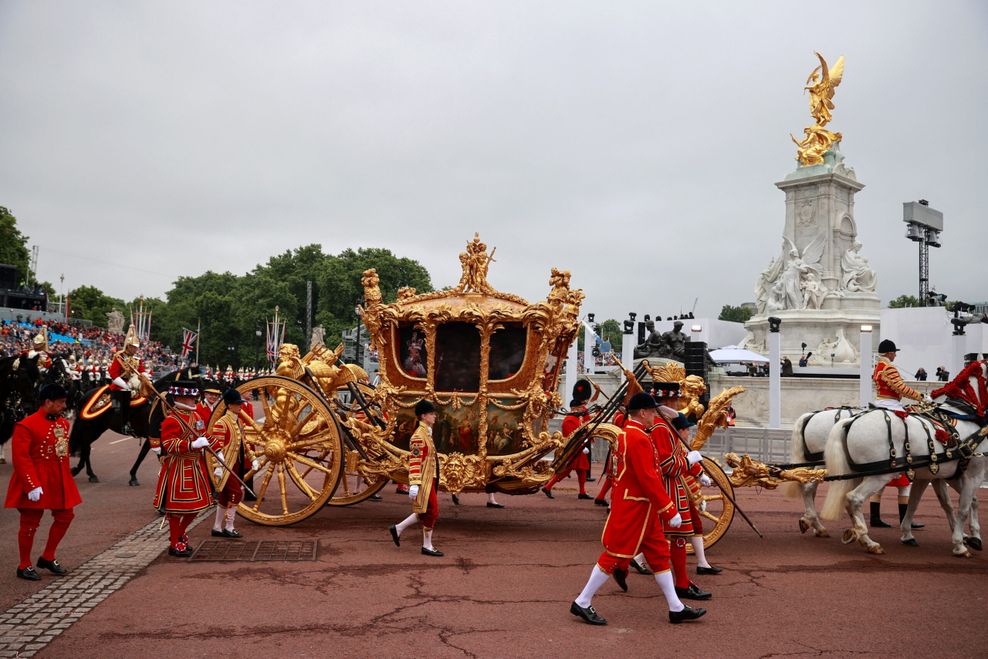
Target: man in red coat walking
{"type": "Point", "coordinates": [578, 415]}
{"type": "Point", "coordinates": [42, 480]}
{"type": "Point", "coordinates": [639, 505]}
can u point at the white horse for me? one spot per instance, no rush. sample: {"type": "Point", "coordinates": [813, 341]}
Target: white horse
{"type": "Point", "coordinates": [809, 437]}
{"type": "Point", "coordinates": [881, 443]}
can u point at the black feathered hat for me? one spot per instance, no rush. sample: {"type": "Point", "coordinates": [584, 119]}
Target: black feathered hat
{"type": "Point", "coordinates": [886, 346]}
{"type": "Point", "coordinates": [52, 392]}
{"type": "Point", "coordinates": [424, 407]}
{"type": "Point", "coordinates": [641, 401]}
{"type": "Point", "coordinates": [232, 397]}
{"type": "Point", "coordinates": [582, 390]}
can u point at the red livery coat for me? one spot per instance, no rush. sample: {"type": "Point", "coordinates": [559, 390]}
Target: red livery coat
{"type": "Point", "coordinates": [677, 474]}
{"type": "Point", "coordinates": [183, 485]}
{"type": "Point", "coordinates": [576, 418]}
{"type": "Point", "coordinates": [638, 493]}
{"type": "Point", "coordinates": [40, 454]}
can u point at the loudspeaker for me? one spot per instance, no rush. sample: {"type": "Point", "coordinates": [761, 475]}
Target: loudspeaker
{"type": "Point", "coordinates": [8, 276]}
{"type": "Point", "coordinates": [696, 363]}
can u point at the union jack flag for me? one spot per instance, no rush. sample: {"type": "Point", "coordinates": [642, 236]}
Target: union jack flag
{"type": "Point", "coordinates": [189, 338]}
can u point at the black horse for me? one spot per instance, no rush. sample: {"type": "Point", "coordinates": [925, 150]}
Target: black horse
{"type": "Point", "coordinates": [144, 422]}
{"type": "Point", "coordinates": [20, 380]}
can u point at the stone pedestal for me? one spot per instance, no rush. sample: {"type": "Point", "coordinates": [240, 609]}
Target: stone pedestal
{"type": "Point", "coordinates": [820, 286]}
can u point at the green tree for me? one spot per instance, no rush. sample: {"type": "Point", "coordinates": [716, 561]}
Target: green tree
{"type": "Point", "coordinates": [734, 314]}
{"type": "Point", "coordinates": [13, 245]}
{"type": "Point", "coordinates": [904, 301]}
{"type": "Point", "coordinates": [90, 303]}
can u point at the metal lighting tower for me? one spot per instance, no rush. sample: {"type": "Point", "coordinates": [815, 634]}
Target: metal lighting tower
{"type": "Point", "coordinates": [923, 225]}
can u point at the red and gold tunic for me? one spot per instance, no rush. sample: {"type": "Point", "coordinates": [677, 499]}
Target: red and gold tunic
{"type": "Point", "coordinates": [123, 366]}
{"type": "Point", "coordinates": [677, 474]}
{"type": "Point", "coordinates": [638, 493]}
{"type": "Point", "coordinates": [423, 466]}
{"type": "Point", "coordinates": [183, 482]}
{"type": "Point", "coordinates": [40, 454]}
{"type": "Point", "coordinates": [889, 384]}
{"type": "Point", "coordinates": [576, 417]}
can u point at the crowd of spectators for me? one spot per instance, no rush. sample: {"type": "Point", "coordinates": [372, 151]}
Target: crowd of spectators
{"type": "Point", "coordinates": [86, 349]}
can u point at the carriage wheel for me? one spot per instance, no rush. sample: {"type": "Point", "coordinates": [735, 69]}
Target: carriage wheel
{"type": "Point", "coordinates": [716, 509]}
{"type": "Point", "coordinates": [353, 487]}
{"type": "Point", "coordinates": [295, 439]}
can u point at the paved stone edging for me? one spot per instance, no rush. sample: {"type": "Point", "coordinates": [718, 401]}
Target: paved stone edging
{"type": "Point", "coordinates": [30, 625]}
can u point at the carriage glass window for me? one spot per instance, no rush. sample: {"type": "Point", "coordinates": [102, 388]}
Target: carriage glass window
{"type": "Point", "coordinates": [411, 351]}
{"type": "Point", "coordinates": [457, 357]}
{"type": "Point", "coordinates": [507, 351]}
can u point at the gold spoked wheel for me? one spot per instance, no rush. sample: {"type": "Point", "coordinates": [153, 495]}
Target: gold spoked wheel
{"type": "Point", "coordinates": [716, 510]}
{"type": "Point", "coordinates": [295, 439]}
{"type": "Point", "coordinates": [353, 487]}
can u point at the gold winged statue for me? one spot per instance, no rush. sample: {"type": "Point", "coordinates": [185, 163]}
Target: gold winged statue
{"type": "Point", "coordinates": [821, 84]}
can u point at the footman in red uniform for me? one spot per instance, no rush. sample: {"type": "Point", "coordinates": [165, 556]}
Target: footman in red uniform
{"type": "Point", "coordinates": [42, 480]}
{"type": "Point", "coordinates": [423, 480]}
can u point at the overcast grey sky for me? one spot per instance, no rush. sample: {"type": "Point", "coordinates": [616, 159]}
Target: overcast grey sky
{"type": "Point", "coordinates": [633, 143]}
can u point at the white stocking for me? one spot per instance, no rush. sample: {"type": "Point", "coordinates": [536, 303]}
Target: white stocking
{"type": "Point", "coordinates": [701, 557]}
{"type": "Point", "coordinates": [597, 579]}
{"type": "Point", "coordinates": [668, 586]}
{"type": "Point", "coordinates": [640, 559]}
{"type": "Point", "coordinates": [405, 523]}
{"type": "Point", "coordinates": [220, 514]}
{"type": "Point", "coordinates": [427, 538]}
{"type": "Point", "coordinates": [490, 497]}
{"type": "Point", "coordinates": [231, 514]}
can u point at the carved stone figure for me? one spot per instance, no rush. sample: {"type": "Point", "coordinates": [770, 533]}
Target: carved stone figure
{"type": "Point", "coordinates": [858, 276]}
{"type": "Point", "coordinates": [652, 345]}
{"type": "Point", "coordinates": [115, 322]}
{"type": "Point", "coordinates": [674, 342]}
{"type": "Point", "coordinates": [318, 336]}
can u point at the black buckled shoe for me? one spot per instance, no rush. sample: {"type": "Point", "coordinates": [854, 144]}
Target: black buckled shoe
{"type": "Point", "coordinates": [708, 570]}
{"type": "Point", "coordinates": [232, 533]}
{"type": "Point", "coordinates": [393, 530]}
{"type": "Point", "coordinates": [688, 613]}
{"type": "Point", "coordinates": [431, 552]}
{"type": "Point", "coordinates": [492, 504]}
{"type": "Point", "coordinates": [588, 614]}
{"type": "Point", "coordinates": [639, 568]}
{"type": "Point", "coordinates": [600, 502]}
{"type": "Point", "coordinates": [52, 566]}
{"type": "Point", "coordinates": [181, 550]}
{"type": "Point", "coordinates": [583, 495]}
{"type": "Point", "coordinates": [217, 534]}
{"type": "Point", "coordinates": [28, 573]}
{"type": "Point", "coordinates": [546, 491]}
{"type": "Point", "coordinates": [621, 577]}
{"type": "Point", "coordinates": [693, 593]}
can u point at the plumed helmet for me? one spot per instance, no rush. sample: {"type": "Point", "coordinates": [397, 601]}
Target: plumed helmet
{"type": "Point", "coordinates": [886, 346]}
{"type": "Point", "coordinates": [424, 406]}
{"type": "Point", "coordinates": [641, 401]}
{"type": "Point", "coordinates": [232, 397]}
{"type": "Point", "coordinates": [52, 392]}
{"type": "Point", "coordinates": [39, 340]}
{"type": "Point", "coordinates": [132, 339]}
{"type": "Point", "coordinates": [582, 390]}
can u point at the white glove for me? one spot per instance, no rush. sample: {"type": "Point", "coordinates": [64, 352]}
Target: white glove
{"type": "Point", "coordinates": [705, 480]}
{"type": "Point", "coordinates": [413, 491]}
{"type": "Point", "coordinates": [693, 457]}
{"type": "Point", "coordinates": [927, 399]}
{"type": "Point", "coordinates": [218, 472]}
{"type": "Point", "coordinates": [676, 521]}
{"type": "Point", "coordinates": [156, 450]}
{"type": "Point", "coordinates": [255, 465]}
{"type": "Point", "coordinates": [35, 494]}
{"type": "Point", "coordinates": [586, 451]}
{"type": "Point", "coordinates": [119, 381]}
{"type": "Point", "coordinates": [199, 442]}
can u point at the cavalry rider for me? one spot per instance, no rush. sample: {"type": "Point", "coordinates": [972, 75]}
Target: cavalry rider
{"type": "Point", "coordinates": [680, 468]}
{"type": "Point", "coordinates": [41, 480]}
{"type": "Point", "coordinates": [228, 432]}
{"type": "Point", "coordinates": [638, 508]}
{"type": "Point", "coordinates": [183, 488]}
{"type": "Point", "coordinates": [124, 366]}
{"type": "Point", "coordinates": [889, 392]}
{"type": "Point", "coordinates": [39, 349]}
{"type": "Point", "coordinates": [576, 417]}
{"type": "Point", "coordinates": [423, 480]}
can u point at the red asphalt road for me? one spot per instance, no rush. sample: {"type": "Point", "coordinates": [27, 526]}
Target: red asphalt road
{"type": "Point", "coordinates": [505, 586]}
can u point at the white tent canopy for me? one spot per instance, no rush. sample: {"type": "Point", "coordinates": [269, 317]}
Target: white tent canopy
{"type": "Point", "coordinates": [734, 354]}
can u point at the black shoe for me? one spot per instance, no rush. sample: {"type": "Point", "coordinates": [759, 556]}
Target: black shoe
{"type": "Point", "coordinates": [180, 551]}
{"type": "Point", "coordinates": [708, 570]}
{"type": "Point", "coordinates": [431, 552]}
{"type": "Point", "coordinates": [877, 523]}
{"type": "Point", "coordinates": [28, 573]}
{"type": "Point", "coordinates": [600, 502]}
{"type": "Point", "coordinates": [582, 495]}
{"type": "Point", "coordinates": [693, 593]}
{"type": "Point", "coordinates": [52, 566]}
{"type": "Point", "coordinates": [492, 504]}
{"type": "Point", "coordinates": [590, 480]}
{"type": "Point", "coordinates": [918, 525]}
{"type": "Point", "coordinates": [588, 614]}
{"type": "Point", "coordinates": [689, 613]}
{"type": "Point", "coordinates": [393, 530]}
{"type": "Point", "coordinates": [218, 534]}
{"type": "Point", "coordinates": [621, 577]}
{"type": "Point", "coordinates": [133, 482]}
{"type": "Point", "coordinates": [456, 500]}
{"type": "Point", "coordinates": [376, 497]}
{"type": "Point", "coordinates": [231, 533]}
{"type": "Point", "coordinates": [639, 568]}
{"type": "Point", "coordinates": [546, 491]}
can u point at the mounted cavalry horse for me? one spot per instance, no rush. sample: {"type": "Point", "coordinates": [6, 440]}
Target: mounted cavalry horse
{"type": "Point", "coordinates": [932, 443]}
{"type": "Point", "coordinates": [20, 380]}
{"type": "Point", "coordinates": [96, 416]}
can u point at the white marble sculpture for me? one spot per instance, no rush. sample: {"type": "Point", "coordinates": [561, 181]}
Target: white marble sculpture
{"type": "Point", "coordinates": [857, 275]}
{"type": "Point", "coordinates": [115, 322]}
